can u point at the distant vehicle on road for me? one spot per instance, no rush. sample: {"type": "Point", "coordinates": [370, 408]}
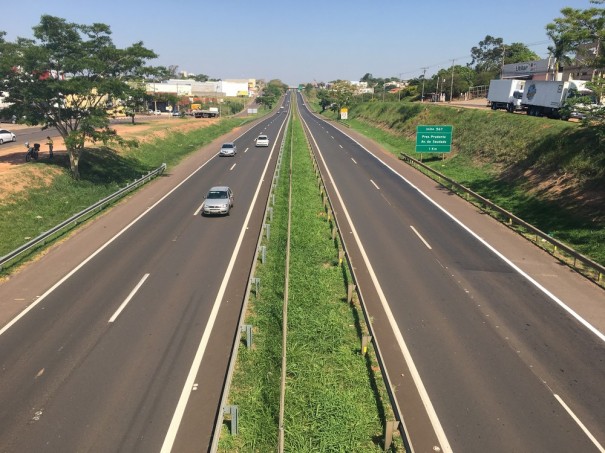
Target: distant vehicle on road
{"type": "Point", "coordinates": [228, 149]}
{"type": "Point", "coordinates": [218, 201]}
{"type": "Point", "coordinates": [262, 140]}
{"type": "Point", "coordinates": [7, 136]}
{"type": "Point", "coordinates": [212, 112]}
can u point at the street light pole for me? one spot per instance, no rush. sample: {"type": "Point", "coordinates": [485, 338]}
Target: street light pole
{"type": "Point", "coordinates": [423, 77]}
{"type": "Point", "coordinates": [452, 84]}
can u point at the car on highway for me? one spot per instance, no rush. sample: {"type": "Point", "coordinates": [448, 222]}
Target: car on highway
{"type": "Point", "coordinates": [7, 136]}
{"type": "Point", "coordinates": [218, 201]}
{"type": "Point", "coordinates": [228, 149]}
{"type": "Point", "coordinates": [262, 140]}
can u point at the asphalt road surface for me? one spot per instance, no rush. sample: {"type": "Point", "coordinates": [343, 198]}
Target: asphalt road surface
{"type": "Point", "coordinates": [131, 322]}
{"type": "Point", "coordinates": [481, 357]}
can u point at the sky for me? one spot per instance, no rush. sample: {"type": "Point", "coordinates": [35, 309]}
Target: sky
{"type": "Point", "coordinates": [304, 41]}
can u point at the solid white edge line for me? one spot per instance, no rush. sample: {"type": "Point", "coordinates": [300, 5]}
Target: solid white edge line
{"type": "Point", "coordinates": [421, 238]}
{"type": "Point", "coordinates": [550, 295]}
{"type": "Point", "coordinates": [580, 424]}
{"type": "Point", "coordinates": [197, 361]}
{"type": "Point", "coordinates": [130, 296]}
{"type": "Point", "coordinates": [424, 396]}
{"type": "Point", "coordinates": [375, 185]}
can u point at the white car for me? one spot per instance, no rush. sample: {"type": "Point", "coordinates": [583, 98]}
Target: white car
{"type": "Point", "coordinates": [7, 136]}
{"type": "Point", "coordinates": [262, 140]}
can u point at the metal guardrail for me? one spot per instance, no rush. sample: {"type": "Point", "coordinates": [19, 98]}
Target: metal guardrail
{"type": "Point", "coordinates": [77, 218]}
{"type": "Point", "coordinates": [589, 268]}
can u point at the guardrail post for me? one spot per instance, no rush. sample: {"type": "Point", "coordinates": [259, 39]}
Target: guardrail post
{"type": "Point", "coordinates": [365, 340]}
{"type": "Point", "coordinates": [263, 253]}
{"type": "Point", "coordinates": [270, 211]}
{"type": "Point", "coordinates": [248, 329]}
{"type": "Point", "coordinates": [341, 255]}
{"type": "Point", "coordinates": [256, 282]}
{"type": "Point", "coordinates": [334, 230]}
{"type": "Point", "coordinates": [390, 428]}
{"type": "Point", "coordinates": [267, 227]}
{"type": "Point", "coordinates": [350, 290]}
{"type": "Point", "coordinates": [233, 411]}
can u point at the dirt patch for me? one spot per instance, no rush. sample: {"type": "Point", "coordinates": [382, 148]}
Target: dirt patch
{"type": "Point", "coordinates": [17, 176]}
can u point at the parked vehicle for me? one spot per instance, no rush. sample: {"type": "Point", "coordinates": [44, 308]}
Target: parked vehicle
{"type": "Point", "coordinates": [548, 97]}
{"type": "Point", "coordinates": [7, 136]}
{"type": "Point", "coordinates": [32, 152]}
{"type": "Point", "coordinates": [218, 201]}
{"type": "Point", "coordinates": [228, 149]}
{"type": "Point", "coordinates": [262, 140]}
{"type": "Point", "coordinates": [212, 112]}
{"type": "Point", "coordinates": [506, 94]}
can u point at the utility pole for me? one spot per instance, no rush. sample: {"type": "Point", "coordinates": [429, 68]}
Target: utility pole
{"type": "Point", "coordinates": [452, 84]}
{"type": "Point", "coordinates": [423, 77]}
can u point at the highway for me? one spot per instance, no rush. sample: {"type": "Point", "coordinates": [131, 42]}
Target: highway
{"type": "Point", "coordinates": [122, 330]}
{"type": "Point", "coordinates": [129, 323]}
{"type": "Point", "coordinates": [481, 358]}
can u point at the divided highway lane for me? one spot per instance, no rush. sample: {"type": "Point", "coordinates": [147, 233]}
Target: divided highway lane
{"type": "Point", "coordinates": [504, 367]}
{"type": "Point", "coordinates": [100, 362]}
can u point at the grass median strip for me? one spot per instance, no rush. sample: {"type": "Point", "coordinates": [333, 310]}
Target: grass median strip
{"type": "Point", "coordinates": [330, 402]}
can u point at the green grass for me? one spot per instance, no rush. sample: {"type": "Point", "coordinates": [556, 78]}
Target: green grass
{"type": "Point", "coordinates": [331, 404]}
{"type": "Point", "coordinates": [103, 171]}
{"type": "Point", "coordinates": [504, 158]}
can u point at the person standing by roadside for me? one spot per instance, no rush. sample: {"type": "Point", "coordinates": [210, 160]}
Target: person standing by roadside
{"type": "Point", "coordinates": [50, 146]}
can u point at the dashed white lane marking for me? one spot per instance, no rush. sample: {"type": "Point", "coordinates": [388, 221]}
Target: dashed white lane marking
{"type": "Point", "coordinates": [130, 296]}
{"type": "Point", "coordinates": [428, 246]}
{"type": "Point", "coordinates": [580, 424]}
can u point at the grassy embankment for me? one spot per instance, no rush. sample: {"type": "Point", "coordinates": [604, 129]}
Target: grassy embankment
{"type": "Point", "coordinates": [330, 402]}
{"type": "Point", "coordinates": [103, 171]}
{"type": "Point", "coordinates": [550, 173]}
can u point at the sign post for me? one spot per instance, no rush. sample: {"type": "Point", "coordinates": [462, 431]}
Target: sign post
{"type": "Point", "coordinates": [434, 139]}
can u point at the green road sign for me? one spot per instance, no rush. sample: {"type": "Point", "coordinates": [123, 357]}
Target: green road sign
{"type": "Point", "coordinates": [434, 139]}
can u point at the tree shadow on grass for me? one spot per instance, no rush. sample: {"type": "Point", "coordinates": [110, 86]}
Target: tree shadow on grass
{"type": "Point", "coordinates": [104, 166]}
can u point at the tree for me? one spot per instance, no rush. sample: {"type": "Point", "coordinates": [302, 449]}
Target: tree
{"type": "Point", "coordinates": [65, 77]}
{"type": "Point", "coordinates": [518, 52]}
{"type": "Point", "coordinates": [578, 32]}
{"type": "Point", "coordinates": [488, 55]}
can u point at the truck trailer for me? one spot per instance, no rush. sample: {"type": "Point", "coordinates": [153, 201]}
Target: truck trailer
{"type": "Point", "coordinates": [548, 97]}
{"type": "Point", "coordinates": [212, 112]}
{"type": "Point", "coordinates": [505, 94]}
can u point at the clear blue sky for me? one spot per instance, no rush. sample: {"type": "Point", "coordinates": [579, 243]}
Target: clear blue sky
{"type": "Point", "coordinates": [302, 41]}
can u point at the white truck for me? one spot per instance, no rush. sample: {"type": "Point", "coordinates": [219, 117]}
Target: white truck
{"type": "Point", "coordinates": [505, 94]}
{"type": "Point", "coordinates": [548, 97]}
{"type": "Point", "coordinates": [212, 112]}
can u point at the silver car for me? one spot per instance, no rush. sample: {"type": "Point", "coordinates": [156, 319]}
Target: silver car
{"type": "Point", "coordinates": [228, 149]}
{"type": "Point", "coordinates": [219, 201]}
{"type": "Point", "coordinates": [7, 136]}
